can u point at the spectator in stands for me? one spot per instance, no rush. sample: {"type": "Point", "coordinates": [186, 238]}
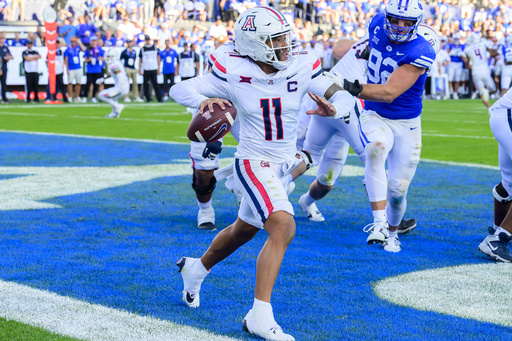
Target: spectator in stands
{"type": "Point", "coordinates": [188, 63]}
{"type": "Point", "coordinates": [128, 56]}
{"type": "Point", "coordinates": [5, 56]}
{"type": "Point", "coordinates": [217, 30]}
{"type": "Point", "coordinates": [135, 8]}
{"type": "Point", "coordinates": [94, 57]}
{"type": "Point", "coordinates": [187, 39]}
{"type": "Point", "coordinates": [168, 56]}
{"type": "Point", "coordinates": [5, 11]}
{"type": "Point", "coordinates": [67, 30]}
{"type": "Point", "coordinates": [149, 68]}
{"type": "Point", "coordinates": [152, 28]}
{"type": "Point", "coordinates": [108, 40]}
{"type": "Point", "coordinates": [31, 68]}
{"type": "Point", "coordinates": [17, 42]}
{"type": "Point", "coordinates": [120, 7]}
{"type": "Point", "coordinates": [128, 28]}
{"type": "Point", "coordinates": [86, 31]}
{"type": "Point", "coordinates": [119, 40]}
{"type": "Point", "coordinates": [15, 4]}
{"type": "Point", "coordinates": [74, 67]}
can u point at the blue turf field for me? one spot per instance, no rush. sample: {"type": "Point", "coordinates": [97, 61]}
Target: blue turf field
{"type": "Point", "coordinates": [117, 247]}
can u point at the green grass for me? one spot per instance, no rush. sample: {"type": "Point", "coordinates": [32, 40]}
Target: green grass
{"type": "Point", "coordinates": [15, 331]}
{"type": "Point", "coordinates": [452, 131]}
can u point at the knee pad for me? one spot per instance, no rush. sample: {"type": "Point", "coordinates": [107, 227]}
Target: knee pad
{"type": "Point", "coordinates": [501, 194]}
{"type": "Point", "coordinates": [397, 190]}
{"type": "Point", "coordinates": [306, 157]}
{"type": "Point", "coordinates": [203, 190]}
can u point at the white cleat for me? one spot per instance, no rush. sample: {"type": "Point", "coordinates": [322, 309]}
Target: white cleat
{"type": "Point", "coordinates": [127, 100]}
{"type": "Point", "coordinates": [290, 188]}
{"type": "Point", "coordinates": [112, 115]}
{"type": "Point", "coordinates": [94, 100]}
{"type": "Point", "coordinates": [266, 328]}
{"type": "Point", "coordinates": [139, 100]}
{"type": "Point", "coordinates": [392, 244]}
{"type": "Point", "coordinates": [379, 232]}
{"type": "Point", "coordinates": [489, 110]}
{"type": "Point", "coordinates": [119, 108]}
{"type": "Point", "coordinates": [311, 211]}
{"type": "Point", "coordinates": [206, 219]}
{"type": "Point", "coordinates": [191, 282]}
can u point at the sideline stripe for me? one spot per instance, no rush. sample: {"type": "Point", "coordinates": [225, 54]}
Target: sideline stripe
{"type": "Point", "coordinates": [79, 319]}
{"type": "Point", "coordinates": [477, 291]}
{"type": "Point", "coordinates": [451, 163]}
{"type": "Point", "coordinates": [9, 113]}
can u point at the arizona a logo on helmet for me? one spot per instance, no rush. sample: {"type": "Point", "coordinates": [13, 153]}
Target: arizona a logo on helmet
{"type": "Point", "coordinates": [249, 24]}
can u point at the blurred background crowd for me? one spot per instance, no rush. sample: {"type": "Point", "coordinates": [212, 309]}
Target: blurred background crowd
{"type": "Point", "coordinates": [202, 25]}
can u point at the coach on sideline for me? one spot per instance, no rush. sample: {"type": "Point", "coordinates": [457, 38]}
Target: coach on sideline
{"type": "Point", "coordinates": [5, 57]}
{"type": "Point", "coordinates": [30, 66]}
{"type": "Point", "coordinates": [149, 68]}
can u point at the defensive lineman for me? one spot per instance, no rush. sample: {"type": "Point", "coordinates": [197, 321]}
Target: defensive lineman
{"type": "Point", "coordinates": [121, 86]}
{"type": "Point", "coordinates": [397, 67]}
{"type": "Point", "coordinates": [266, 85]}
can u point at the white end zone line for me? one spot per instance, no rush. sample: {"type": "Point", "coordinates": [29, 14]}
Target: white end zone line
{"type": "Point", "coordinates": [75, 318]}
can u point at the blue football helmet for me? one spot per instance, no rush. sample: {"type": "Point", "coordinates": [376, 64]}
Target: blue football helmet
{"type": "Point", "coordinates": [410, 10]}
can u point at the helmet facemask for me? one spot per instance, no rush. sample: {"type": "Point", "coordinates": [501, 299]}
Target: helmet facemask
{"type": "Point", "coordinates": [400, 34]}
{"type": "Point", "coordinates": [274, 51]}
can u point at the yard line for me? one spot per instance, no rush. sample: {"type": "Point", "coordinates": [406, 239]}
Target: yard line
{"type": "Point", "coordinates": [461, 136]}
{"type": "Point", "coordinates": [455, 121]}
{"type": "Point", "coordinates": [86, 321]}
{"type": "Point", "coordinates": [26, 114]}
{"type": "Point", "coordinates": [92, 105]}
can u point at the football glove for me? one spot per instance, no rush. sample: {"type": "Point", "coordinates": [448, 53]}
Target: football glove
{"type": "Point", "coordinates": [365, 54]}
{"type": "Point", "coordinates": [212, 150]}
{"type": "Point", "coordinates": [353, 88]}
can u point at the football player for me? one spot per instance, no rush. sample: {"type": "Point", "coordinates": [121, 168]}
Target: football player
{"type": "Point", "coordinates": [475, 54]}
{"type": "Point", "coordinates": [121, 86]}
{"type": "Point", "coordinates": [506, 69]}
{"type": "Point", "coordinates": [397, 68]}
{"type": "Point", "coordinates": [266, 82]}
{"type": "Point", "coordinates": [495, 245]}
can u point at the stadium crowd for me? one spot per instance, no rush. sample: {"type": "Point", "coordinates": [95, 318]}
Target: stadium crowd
{"type": "Point", "coordinates": [201, 26]}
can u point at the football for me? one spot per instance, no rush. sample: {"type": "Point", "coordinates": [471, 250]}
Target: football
{"type": "Point", "coordinates": [211, 126]}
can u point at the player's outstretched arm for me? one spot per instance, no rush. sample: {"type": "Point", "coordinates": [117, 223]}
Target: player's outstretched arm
{"type": "Point", "coordinates": [398, 82]}
{"type": "Point", "coordinates": [195, 92]}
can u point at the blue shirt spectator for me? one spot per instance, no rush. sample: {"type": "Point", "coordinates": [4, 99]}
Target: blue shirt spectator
{"type": "Point", "coordinates": [118, 41]}
{"type": "Point", "coordinates": [128, 56]}
{"type": "Point", "coordinates": [67, 31]}
{"type": "Point", "coordinates": [72, 53]}
{"type": "Point", "coordinates": [95, 55]}
{"type": "Point", "coordinates": [168, 57]}
{"type": "Point", "coordinates": [86, 31]}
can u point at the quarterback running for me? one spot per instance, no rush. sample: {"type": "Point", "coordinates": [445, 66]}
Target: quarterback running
{"type": "Point", "coordinates": [121, 86]}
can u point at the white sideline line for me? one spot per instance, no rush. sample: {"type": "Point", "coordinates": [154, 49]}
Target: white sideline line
{"type": "Point", "coordinates": [460, 136]}
{"type": "Point", "coordinates": [451, 163]}
{"type": "Point", "coordinates": [79, 319]}
{"type": "Point", "coordinates": [77, 105]}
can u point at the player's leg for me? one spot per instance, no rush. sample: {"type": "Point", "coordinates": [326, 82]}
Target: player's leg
{"type": "Point", "coordinates": [480, 81]}
{"type": "Point", "coordinates": [378, 138]}
{"type": "Point", "coordinates": [265, 195]}
{"type": "Point", "coordinates": [106, 96]}
{"type": "Point", "coordinates": [318, 137]}
{"type": "Point", "coordinates": [496, 245]}
{"type": "Point", "coordinates": [402, 163]}
{"type": "Point", "coordinates": [203, 182]}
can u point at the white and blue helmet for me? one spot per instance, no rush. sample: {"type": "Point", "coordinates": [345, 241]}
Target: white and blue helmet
{"type": "Point", "coordinates": [405, 10]}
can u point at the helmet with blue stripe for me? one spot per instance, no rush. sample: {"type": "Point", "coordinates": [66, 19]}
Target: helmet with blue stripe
{"type": "Point", "coordinates": [411, 11]}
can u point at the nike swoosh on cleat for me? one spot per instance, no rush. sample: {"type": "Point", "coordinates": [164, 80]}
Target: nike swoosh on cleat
{"type": "Point", "coordinates": [414, 128]}
{"type": "Point", "coordinates": [291, 76]}
{"type": "Point", "coordinates": [492, 247]}
{"type": "Point", "coordinates": [190, 298]}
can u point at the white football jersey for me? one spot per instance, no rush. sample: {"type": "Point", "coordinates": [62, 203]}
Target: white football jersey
{"type": "Point", "coordinates": [351, 67]}
{"type": "Point", "coordinates": [268, 105]}
{"type": "Point", "coordinates": [477, 54]}
{"type": "Point", "coordinates": [504, 102]}
{"type": "Point", "coordinates": [120, 78]}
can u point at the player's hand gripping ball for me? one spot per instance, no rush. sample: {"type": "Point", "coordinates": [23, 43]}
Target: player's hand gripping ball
{"type": "Point", "coordinates": [211, 126]}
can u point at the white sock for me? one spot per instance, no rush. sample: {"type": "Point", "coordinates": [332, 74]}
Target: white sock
{"type": "Point", "coordinates": [199, 268]}
{"type": "Point", "coordinates": [289, 178]}
{"type": "Point", "coordinates": [308, 200]}
{"type": "Point", "coordinates": [379, 215]}
{"type": "Point", "coordinates": [261, 307]}
{"type": "Point", "coordinates": [205, 205]}
{"type": "Point", "coordinates": [393, 234]}
{"type": "Point", "coordinates": [502, 230]}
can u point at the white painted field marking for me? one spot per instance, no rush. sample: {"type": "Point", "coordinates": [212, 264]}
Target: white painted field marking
{"type": "Point", "coordinates": [137, 106]}
{"type": "Point", "coordinates": [479, 291]}
{"type": "Point", "coordinates": [75, 318]}
{"type": "Point", "coordinates": [43, 183]}
{"type": "Point", "coordinates": [461, 136]}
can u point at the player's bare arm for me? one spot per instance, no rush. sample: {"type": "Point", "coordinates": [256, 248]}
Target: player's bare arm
{"type": "Point", "coordinates": [398, 82]}
{"type": "Point", "coordinates": [341, 48]}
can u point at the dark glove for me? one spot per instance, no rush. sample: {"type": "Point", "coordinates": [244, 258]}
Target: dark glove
{"type": "Point", "coordinates": [353, 88]}
{"type": "Point", "coordinates": [212, 150]}
{"type": "Point", "coordinates": [365, 54]}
